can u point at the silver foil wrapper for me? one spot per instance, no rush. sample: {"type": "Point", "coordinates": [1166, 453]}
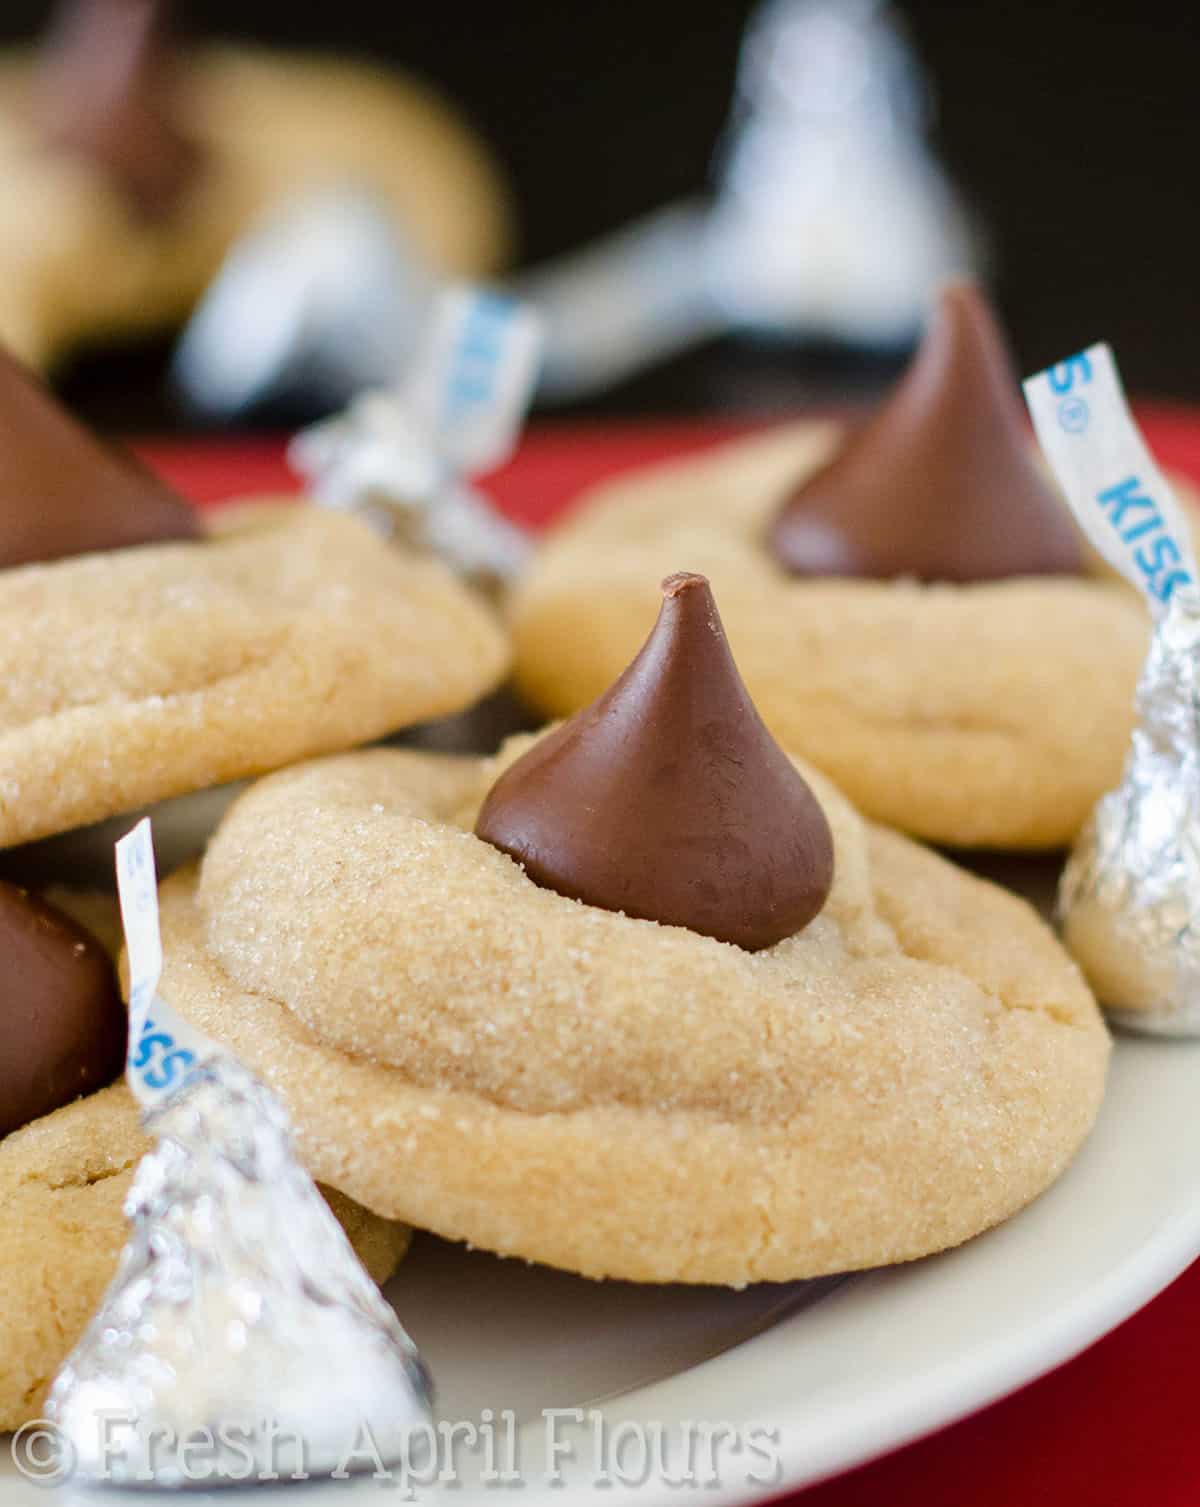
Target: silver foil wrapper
{"type": "Point", "coordinates": [240, 1339]}
{"type": "Point", "coordinates": [1129, 901]}
{"type": "Point", "coordinates": [624, 302]}
{"type": "Point", "coordinates": [325, 296]}
{"type": "Point", "coordinates": [831, 217]}
{"type": "Point", "coordinates": [374, 461]}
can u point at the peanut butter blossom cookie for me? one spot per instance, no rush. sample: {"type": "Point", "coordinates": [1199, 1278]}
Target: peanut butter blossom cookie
{"type": "Point", "coordinates": [128, 168]}
{"type": "Point", "coordinates": [642, 997]}
{"type": "Point", "coordinates": [909, 602]}
{"type": "Point", "coordinates": [69, 1142]}
{"type": "Point", "coordinates": [140, 659]}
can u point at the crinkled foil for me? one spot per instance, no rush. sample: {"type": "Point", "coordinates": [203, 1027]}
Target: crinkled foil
{"type": "Point", "coordinates": [240, 1339]}
{"type": "Point", "coordinates": [372, 460]}
{"type": "Point", "coordinates": [1130, 896]}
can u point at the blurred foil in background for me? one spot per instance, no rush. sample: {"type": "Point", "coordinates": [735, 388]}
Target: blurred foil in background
{"type": "Point", "coordinates": [834, 218]}
{"type": "Point", "coordinates": [375, 461]}
{"type": "Point", "coordinates": [321, 299]}
{"type": "Point", "coordinates": [831, 219]}
{"type": "Point", "coordinates": [401, 457]}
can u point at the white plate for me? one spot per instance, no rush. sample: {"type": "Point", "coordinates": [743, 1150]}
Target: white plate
{"type": "Point", "coordinates": [843, 1371]}
{"type": "Point", "coordinates": [878, 1360]}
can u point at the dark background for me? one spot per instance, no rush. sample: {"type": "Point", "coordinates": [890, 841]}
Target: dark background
{"type": "Point", "coordinates": [1070, 124]}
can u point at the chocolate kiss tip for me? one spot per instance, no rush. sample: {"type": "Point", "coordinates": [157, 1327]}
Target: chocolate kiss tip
{"type": "Point", "coordinates": [105, 93]}
{"type": "Point", "coordinates": [667, 798]}
{"type": "Point", "coordinates": [672, 585]}
{"type": "Point", "coordinates": [64, 1025]}
{"type": "Point", "coordinates": [65, 492]}
{"type": "Point", "coordinates": [941, 483]}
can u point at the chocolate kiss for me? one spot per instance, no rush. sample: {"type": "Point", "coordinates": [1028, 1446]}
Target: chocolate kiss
{"type": "Point", "coordinates": [63, 491]}
{"type": "Point", "coordinates": [941, 484]}
{"type": "Point", "coordinates": [667, 798]}
{"type": "Point", "coordinates": [104, 92]}
{"type": "Point", "coordinates": [62, 1024]}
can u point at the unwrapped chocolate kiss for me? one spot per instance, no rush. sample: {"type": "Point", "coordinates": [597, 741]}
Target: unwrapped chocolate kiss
{"type": "Point", "coordinates": [63, 1023]}
{"type": "Point", "coordinates": [667, 798]}
{"type": "Point", "coordinates": [941, 484]}
{"type": "Point", "coordinates": [65, 492]}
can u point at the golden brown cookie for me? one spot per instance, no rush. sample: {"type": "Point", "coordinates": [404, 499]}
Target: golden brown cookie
{"type": "Point", "coordinates": [63, 1182]}
{"type": "Point", "coordinates": [78, 262]}
{"type": "Point", "coordinates": [490, 1060]}
{"type": "Point", "coordinates": [131, 676]}
{"type": "Point", "coordinates": [982, 715]}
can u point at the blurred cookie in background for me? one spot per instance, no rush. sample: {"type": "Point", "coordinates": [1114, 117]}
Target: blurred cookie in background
{"type": "Point", "coordinates": [129, 164]}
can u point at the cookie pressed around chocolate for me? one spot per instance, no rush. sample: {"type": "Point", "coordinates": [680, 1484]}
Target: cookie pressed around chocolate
{"type": "Point", "coordinates": [987, 714]}
{"type": "Point", "coordinates": [472, 1053]}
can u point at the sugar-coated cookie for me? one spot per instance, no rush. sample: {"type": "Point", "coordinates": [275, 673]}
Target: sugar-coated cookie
{"type": "Point", "coordinates": [143, 656]}
{"type": "Point", "coordinates": [991, 715]}
{"type": "Point", "coordinates": [464, 1049]}
{"type": "Point", "coordinates": [63, 1181]}
{"type": "Point", "coordinates": [126, 172]}
{"type": "Point", "coordinates": [909, 602]}
{"type": "Point", "coordinates": [130, 676]}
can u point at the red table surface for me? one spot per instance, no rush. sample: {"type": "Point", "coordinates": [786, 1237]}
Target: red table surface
{"type": "Point", "coordinates": [1119, 1426]}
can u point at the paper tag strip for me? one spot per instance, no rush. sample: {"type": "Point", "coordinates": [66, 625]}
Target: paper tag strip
{"type": "Point", "coordinates": [1118, 495]}
{"type": "Point", "coordinates": [473, 383]}
{"type": "Point", "coordinates": [163, 1048]}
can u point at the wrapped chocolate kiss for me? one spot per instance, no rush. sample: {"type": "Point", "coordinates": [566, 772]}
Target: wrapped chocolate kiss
{"type": "Point", "coordinates": [1129, 901]}
{"type": "Point", "coordinates": [324, 296]}
{"type": "Point", "coordinates": [831, 217]}
{"type": "Point", "coordinates": [403, 457]}
{"type": "Point", "coordinates": [240, 1339]}
{"type": "Point", "coordinates": [834, 218]}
